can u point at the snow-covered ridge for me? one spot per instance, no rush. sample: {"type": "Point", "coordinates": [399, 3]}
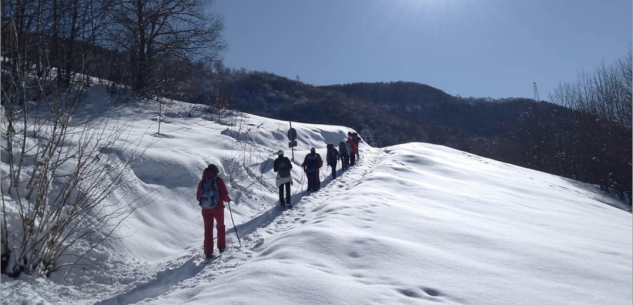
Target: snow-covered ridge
{"type": "Point", "coordinates": [411, 224]}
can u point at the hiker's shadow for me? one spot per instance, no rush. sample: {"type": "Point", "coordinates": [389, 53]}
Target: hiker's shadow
{"type": "Point", "coordinates": [267, 216]}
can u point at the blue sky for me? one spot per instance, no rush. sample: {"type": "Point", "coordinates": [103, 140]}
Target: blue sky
{"type": "Point", "coordinates": [480, 48]}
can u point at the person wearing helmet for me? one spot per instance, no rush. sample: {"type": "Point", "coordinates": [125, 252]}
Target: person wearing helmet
{"type": "Point", "coordinates": [282, 167]}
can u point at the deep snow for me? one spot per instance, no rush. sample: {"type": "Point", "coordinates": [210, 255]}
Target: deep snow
{"type": "Point", "coordinates": [410, 224]}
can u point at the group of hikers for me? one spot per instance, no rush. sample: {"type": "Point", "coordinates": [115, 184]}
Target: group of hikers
{"type": "Point", "coordinates": [347, 152]}
{"type": "Point", "coordinates": [212, 192]}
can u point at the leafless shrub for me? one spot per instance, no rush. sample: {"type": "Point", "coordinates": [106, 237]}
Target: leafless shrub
{"type": "Point", "coordinates": [62, 158]}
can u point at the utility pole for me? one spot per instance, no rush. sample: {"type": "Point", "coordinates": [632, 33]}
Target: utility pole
{"type": "Point", "coordinates": [536, 97]}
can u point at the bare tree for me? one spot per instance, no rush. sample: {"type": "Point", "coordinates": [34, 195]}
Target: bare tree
{"type": "Point", "coordinates": [221, 103]}
{"type": "Point", "coordinates": [64, 156]}
{"type": "Point", "coordinates": [605, 92]}
{"type": "Point", "coordinates": [62, 165]}
{"type": "Point", "coordinates": [153, 29]}
{"type": "Point", "coordinates": [57, 33]}
{"type": "Point", "coordinates": [599, 143]}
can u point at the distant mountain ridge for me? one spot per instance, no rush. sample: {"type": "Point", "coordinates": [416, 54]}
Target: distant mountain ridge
{"type": "Point", "coordinates": [521, 131]}
{"type": "Point", "coordinates": [419, 102]}
{"type": "Point", "coordinates": [413, 103]}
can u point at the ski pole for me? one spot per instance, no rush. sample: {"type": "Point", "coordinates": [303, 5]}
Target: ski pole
{"type": "Point", "coordinates": [300, 184]}
{"type": "Point", "coordinates": [234, 227]}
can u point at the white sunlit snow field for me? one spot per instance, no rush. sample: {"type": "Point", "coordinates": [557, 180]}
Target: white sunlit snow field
{"type": "Point", "coordinates": [410, 224]}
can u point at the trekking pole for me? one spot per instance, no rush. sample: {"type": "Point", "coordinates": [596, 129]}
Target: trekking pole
{"type": "Point", "coordinates": [301, 183]}
{"type": "Point", "coordinates": [234, 227]}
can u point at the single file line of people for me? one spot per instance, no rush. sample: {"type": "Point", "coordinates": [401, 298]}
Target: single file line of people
{"type": "Point", "coordinates": [212, 193]}
{"type": "Point", "coordinates": [312, 165]}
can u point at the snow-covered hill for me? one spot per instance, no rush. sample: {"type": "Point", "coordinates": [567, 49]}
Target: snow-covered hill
{"type": "Point", "coordinates": [410, 224]}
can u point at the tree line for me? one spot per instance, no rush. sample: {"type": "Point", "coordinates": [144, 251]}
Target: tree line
{"type": "Point", "coordinates": [139, 43]}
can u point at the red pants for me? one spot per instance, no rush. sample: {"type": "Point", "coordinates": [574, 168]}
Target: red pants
{"type": "Point", "coordinates": [208, 215]}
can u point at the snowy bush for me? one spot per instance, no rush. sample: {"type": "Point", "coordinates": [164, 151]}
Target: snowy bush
{"type": "Point", "coordinates": [61, 159]}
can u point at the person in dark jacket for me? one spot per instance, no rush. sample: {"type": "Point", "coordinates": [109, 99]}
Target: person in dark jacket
{"type": "Point", "coordinates": [344, 154]}
{"type": "Point", "coordinates": [214, 210]}
{"type": "Point", "coordinates": [282, 167]}
{"type": "Point", "coordinates": [332, 158]}
{"type": "Point", "coordinates": [311, 165]}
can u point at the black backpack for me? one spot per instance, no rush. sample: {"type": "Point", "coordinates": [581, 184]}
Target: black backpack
{"type": "Point", "coordinates": [284, 167]}
{"type": "Point", "coordinates": [356, 138]}
{"type": "Point", "coordinates": [311, 163]}
{"type": "Point", "coordinates": [332, 155]}
{"type": "Point", "coordinates": [209, 197]}
{"type": "Point", "coordinates": [342, 149]}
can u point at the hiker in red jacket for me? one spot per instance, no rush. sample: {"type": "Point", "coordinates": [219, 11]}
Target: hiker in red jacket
{"type": "Point", "coordinates": [211, 196]}
{"type": "Point", "coordinates": [352, 153]}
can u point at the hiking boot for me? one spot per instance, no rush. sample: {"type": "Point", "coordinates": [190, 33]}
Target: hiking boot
{"type": "Point", "coordinates": [222, 249]}
{"type": "Point", "coordinates": [208, 258]}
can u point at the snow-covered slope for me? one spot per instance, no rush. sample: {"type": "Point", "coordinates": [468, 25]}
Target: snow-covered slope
{"type": "Point", "coordinates": [410, 224]}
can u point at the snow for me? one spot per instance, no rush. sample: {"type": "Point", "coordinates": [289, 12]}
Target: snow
{"type": "Point", "coordinates": [410, 224]}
